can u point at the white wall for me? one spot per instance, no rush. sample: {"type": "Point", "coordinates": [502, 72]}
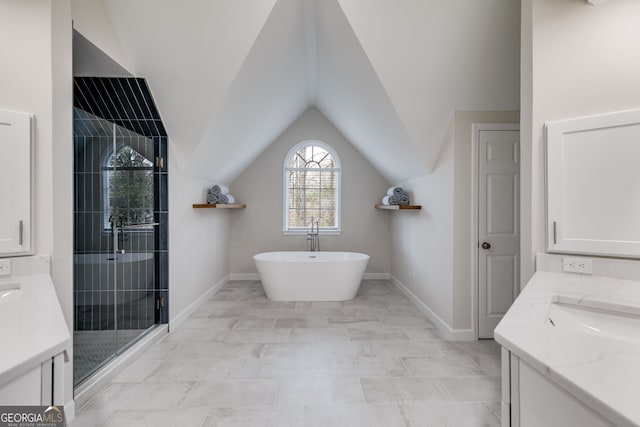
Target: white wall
{"type": "Point", "coordinates": [259, 227]}
{"type": "Point", "coordinates": [35, 77]}
{"type": "Point", "coordinates": [432, 249]}
{"type": "Point", "coordinates": [198, 240]}
{"type": "Point", "coordinates": [422, 241]}
{"type": "Point", "coordinates": [62, 165]}
{"type": "Point", "coordinates": [583, 61]}
{"type": "Point", "coordinates": [90, 18]}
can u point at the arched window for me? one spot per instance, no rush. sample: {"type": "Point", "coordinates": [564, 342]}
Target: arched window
{"type": "Point", "coordinates": [127, 187]}
{"type": "Point", "coordinates": [312, 187]}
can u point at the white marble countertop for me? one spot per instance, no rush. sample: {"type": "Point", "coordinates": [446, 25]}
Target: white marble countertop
{"type": "Point", "coordinates": [32, 326]}
{"type": "Point", "coordinates": [602, 372]}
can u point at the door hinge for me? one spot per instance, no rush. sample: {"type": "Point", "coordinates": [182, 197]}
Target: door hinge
{"type": "Point", "coordinates": [160, 162]}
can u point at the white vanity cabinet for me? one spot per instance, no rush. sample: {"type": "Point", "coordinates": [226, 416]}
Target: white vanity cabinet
{"type": "Point", "coordinates": [42, 384]}
{"type": "Point", "coordinates": [15, 183]}
{"type": "Point", "coordinates": [593, 185]}
{"type": "Point", "coordinates": [529, 399]}
{"type": "Point", "coordinates": [34, 337]}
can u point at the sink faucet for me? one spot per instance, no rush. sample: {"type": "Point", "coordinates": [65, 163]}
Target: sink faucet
{"type": "Point", "coordinates": [314, 238]}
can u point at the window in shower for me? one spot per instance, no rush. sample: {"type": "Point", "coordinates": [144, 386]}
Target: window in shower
{"type": "Point", "coordinates": [312, 187]}
{"type": "Point", "coordinates": [127, 186]}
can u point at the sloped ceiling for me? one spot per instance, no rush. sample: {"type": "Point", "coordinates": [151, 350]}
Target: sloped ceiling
{"type": "Point", "coordinates": [191, 52]}
{"type": "Point", "coordinates": [230, 75]}
{"type": "Point", "coordinates": [435, 56]}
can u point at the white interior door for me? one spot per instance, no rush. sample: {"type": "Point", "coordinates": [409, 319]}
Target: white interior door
{"type": "Point", "coordinates": [498, 223]}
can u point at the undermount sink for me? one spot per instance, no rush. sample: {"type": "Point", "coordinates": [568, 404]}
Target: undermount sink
{"type": "Point", "coordinates": [10, 293]}
{"type": "Point", "coordinates": [605, 319]}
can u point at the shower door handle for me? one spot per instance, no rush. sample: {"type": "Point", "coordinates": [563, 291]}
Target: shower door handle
{"type": "Point", "coordinates": [116, 245]}
{"type": "Point", "coordinates": [121, 235]}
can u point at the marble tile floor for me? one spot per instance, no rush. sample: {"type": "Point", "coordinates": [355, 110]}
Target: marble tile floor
{"type": "Point", "coordinates": [242, 360]}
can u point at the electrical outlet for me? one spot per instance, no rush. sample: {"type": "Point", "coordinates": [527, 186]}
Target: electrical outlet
{"type": "Point", "coordinates": [577, 265]}
{"type": "Point", "coordinates": [5, 267]}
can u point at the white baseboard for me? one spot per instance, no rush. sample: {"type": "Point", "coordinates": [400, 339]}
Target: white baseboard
{"type": "Point", "coordinates": [184, 314]}
{"type": "Point", "coordinates": [256, 276]}
{"type": "Point", "coordinates": [244, 276]}
{"type": "Point", "coordinates": [376, 276]}
{"type": "Point", "coordinates": [446, 331]}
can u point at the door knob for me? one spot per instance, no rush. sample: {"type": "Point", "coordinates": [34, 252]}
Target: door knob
{"type": "Point", "coordinates": [485, 245]}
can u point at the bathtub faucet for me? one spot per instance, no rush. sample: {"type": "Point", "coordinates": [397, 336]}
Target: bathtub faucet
{"type": "Point", "coordinates": [314, 238]}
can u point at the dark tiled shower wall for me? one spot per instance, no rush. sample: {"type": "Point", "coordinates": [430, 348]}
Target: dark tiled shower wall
{"type": "Point", "coordinates": [126, 102]}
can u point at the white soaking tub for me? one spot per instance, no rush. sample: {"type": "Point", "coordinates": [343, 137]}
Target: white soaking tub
{"type": "Point", "coordinates": [311, 276]}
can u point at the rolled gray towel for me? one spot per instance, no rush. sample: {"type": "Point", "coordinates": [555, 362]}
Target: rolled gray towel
{"type": "Point", "coordinates": [399, 200]}
{"type": "Point", "coordinates": [395, 191]}
{"type": "Point", "coordinates": [403, 200]}
{"type": "Point", "coordinates": [219, 190]}
{"type": "Point", "coordinates": [223, 199]}
{"type": "Point", "coordinates": [212, 199]}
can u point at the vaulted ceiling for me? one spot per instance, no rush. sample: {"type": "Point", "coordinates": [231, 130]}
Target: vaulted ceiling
{"type": "Point", "coordinates": [229, 76]}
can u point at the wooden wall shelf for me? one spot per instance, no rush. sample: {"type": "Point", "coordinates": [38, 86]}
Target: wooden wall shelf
{"type": "Point", "coordinates": [399, 207]}
{"type": "Point", "coordinates": [219, 206]}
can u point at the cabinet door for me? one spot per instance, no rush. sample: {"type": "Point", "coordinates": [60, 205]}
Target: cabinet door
{"type": "Point", "coordinates": [15, 183]}
{"type": "Point", "coordinates": [24, 390]}
{"type": "Point", "coordinates": [593, 185]}
{"type": "Point", "coordinates": [542, 403]}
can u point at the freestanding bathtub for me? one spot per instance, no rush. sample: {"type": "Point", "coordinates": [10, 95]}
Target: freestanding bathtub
{"type": "Point", "coordinates": [311, 276]}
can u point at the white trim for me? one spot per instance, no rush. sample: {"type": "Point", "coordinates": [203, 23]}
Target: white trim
{"type": "Point", "coordinates": [90, 388]}
{"type": "Point", "coordinates": [184, 314]}
{"type": "Point", "coordinates": [244, 276]}
{"type": "Point", "coordinates": [256, 276]}
{"type": "Point", "coordinates": [446, 331]}
{"type": "Point", "coordinates": [69, 411]}
{"type": "Point", "coordinates": [475, 138]}
{"type": "Point", "coordinates": [376, 276]}
{"type": "Point", "coordinates": [318, 143]}
{"type": "Point", "coordinates": [323, 232]}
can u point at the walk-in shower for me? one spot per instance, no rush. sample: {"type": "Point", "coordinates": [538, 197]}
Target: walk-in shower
{"type": "Point", "coordinates": [121, 216]}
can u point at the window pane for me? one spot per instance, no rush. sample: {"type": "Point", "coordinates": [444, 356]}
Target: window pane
{"type": "Point", "coordinates": [328, 202]}
{"type": "Point", "coordinates": [327, 162]}
{"type": "Point", "coordinates": [327, 218]}
{"type": "Point", "coordinates": [296, 218]}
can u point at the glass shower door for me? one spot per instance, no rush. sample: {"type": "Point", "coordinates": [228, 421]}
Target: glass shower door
{"type": "Point", "coordinates": [130, 192]}
{"type": "Point", "coordinates": [115, 286]}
